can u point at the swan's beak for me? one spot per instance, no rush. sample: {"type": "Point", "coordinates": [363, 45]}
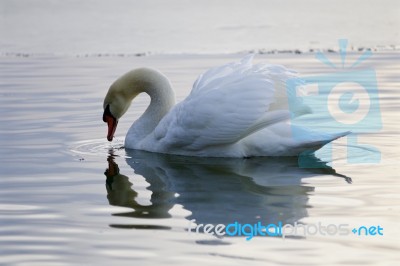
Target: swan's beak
{"type": "Point", "coordinates": [111, 121]}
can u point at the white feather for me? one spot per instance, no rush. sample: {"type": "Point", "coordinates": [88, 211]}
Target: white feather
{"type": "Point", "coordinates": [235, 110]}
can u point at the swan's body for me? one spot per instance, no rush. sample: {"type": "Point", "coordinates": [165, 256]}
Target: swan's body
{"type": "Point", "coordinates": [236, 110]}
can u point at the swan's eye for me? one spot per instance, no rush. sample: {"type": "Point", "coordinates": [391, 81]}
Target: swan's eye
{"type": "Point", "coordinates": [106, 113]}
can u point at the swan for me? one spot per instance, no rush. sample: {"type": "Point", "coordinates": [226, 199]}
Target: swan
{"type": "Point", "coordinates": [235, 110]}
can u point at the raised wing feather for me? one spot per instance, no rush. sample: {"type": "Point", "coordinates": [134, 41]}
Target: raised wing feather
{"type": "Point", "coordinates": [226, 104]}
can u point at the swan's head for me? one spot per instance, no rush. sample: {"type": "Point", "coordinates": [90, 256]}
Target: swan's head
{"type": "Point", "coordinates": [127, 87]}
{"type": "Point", "coordinates": [118, 100]}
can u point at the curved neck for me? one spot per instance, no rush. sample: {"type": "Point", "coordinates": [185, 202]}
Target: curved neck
{"type": "Point", "coordinates": [162, 99]}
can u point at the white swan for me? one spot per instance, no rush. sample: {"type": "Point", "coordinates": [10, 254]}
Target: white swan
{"type": "Point", "coordinates": [235, 110]}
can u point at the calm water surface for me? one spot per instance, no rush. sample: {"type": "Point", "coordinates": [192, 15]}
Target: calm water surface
{"type": "Point", "coordinates": [68, 197]}
{"type": "Point", "coordinates": [207, 26]}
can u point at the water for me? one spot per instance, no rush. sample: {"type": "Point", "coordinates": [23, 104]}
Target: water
{"type": "Point", "coordinates": [207, 26]}
{"type": "Point", "coordinates": [68, 197]}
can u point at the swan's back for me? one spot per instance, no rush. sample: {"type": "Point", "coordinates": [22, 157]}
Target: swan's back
{"type": "Point", "coordinates": [235, 110]}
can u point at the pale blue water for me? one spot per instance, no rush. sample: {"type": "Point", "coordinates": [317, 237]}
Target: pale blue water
{"type": "Point", "coordinates": [68, 197]}
{"type": "Point", "coordinates": [207, 26]}
{"type": "Point", "coordinates": [59, 206]}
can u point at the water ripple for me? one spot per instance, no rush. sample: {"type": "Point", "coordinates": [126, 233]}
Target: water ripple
{"type": "Point", "coordinates": [98, 147]}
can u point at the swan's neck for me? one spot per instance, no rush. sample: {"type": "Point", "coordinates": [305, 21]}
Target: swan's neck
{"type": "Point", "coordinates": [162, 99]}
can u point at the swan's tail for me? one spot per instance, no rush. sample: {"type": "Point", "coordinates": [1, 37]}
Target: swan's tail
{"type": "Point", "coordinates": [317, 141]}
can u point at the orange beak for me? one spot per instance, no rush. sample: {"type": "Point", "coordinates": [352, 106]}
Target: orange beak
{"type": "Point", "coordinates": [111, 121]}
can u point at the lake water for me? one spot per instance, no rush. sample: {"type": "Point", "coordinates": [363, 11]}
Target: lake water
{"type": "Point", "coordinates": [206, 26]}
{"type": "Point", "coordinates": [67, 196]}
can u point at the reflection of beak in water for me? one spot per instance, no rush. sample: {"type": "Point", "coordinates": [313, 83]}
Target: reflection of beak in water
{"type": "Point", "coordinates": [120, 193]}
{"type": "Point", "coordinates": [216, 190]}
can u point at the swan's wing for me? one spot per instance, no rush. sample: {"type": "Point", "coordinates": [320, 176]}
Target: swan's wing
{"type": "Point", "coordinates": [227, 103]}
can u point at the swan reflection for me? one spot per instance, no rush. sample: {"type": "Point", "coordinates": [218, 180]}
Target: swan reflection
{"type": "Point", "coordinates": [215, 190]}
